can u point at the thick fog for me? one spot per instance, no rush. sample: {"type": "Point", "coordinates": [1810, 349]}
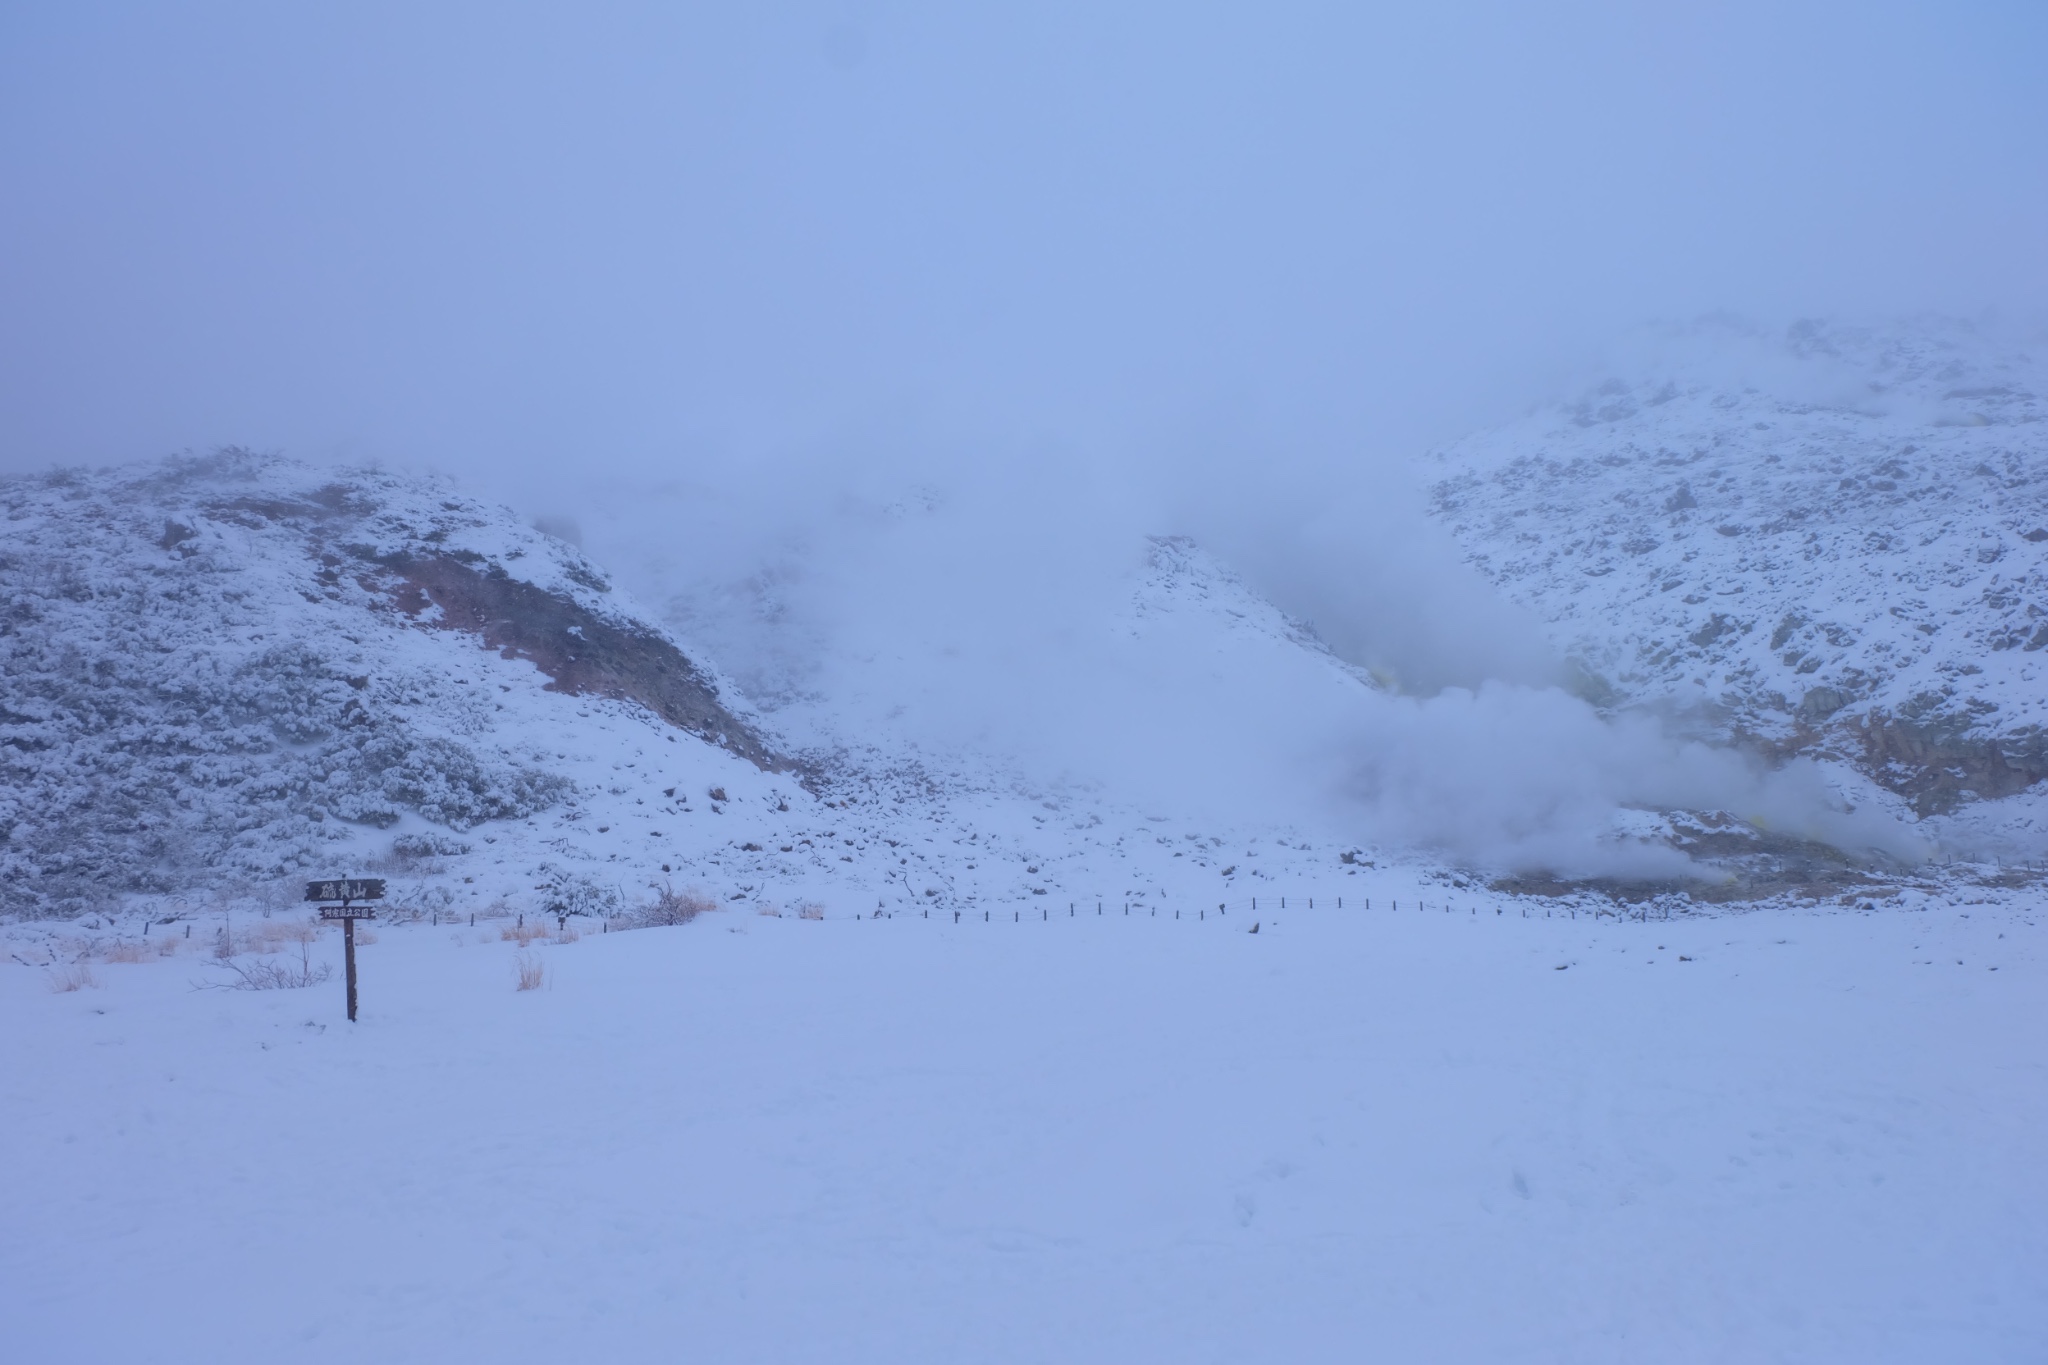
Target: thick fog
{"type": "Point", "coordinates": [870, 342]}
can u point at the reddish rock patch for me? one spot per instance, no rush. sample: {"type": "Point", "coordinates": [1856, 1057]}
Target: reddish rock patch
{"type": "Point", "coordinates": [581, 652]}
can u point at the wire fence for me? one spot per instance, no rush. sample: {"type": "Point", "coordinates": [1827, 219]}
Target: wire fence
{"type": "Point", "coordinates": [1259, 908]}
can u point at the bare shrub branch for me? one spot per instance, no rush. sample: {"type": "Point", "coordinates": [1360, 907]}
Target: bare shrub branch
{"type": "Point", "coordinates": [273, 974]}
{"type": "Point", "coordinates": [671, 906]}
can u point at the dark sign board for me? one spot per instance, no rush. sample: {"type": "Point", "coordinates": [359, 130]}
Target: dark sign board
{"type": "Point", "coordinates": [346, 889]}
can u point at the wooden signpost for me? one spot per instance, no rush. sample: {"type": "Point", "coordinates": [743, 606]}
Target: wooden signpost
{"type": "Point", "coordinates": [347, 890]}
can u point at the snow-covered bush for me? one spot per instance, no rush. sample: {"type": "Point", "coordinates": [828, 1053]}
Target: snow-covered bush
{"type": "Point", "coordinates": [564, 893]}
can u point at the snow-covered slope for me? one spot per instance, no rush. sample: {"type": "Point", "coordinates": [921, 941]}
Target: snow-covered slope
{"type": "Point", "coordinates": [217, 674]}
{"type": "Point", "coordinates": [220, 673]}
{"type": "Point", "coordinates": [240, 667]}
{"type": "Point", "coordinates": [1832, 542]}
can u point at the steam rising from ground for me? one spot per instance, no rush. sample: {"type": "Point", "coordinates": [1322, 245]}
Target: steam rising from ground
{"type": "Point", "coordinates": [1011, 617]}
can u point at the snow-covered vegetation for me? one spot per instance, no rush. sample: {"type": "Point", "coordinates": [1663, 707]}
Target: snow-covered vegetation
{"type": "Point", "coordinates": [212, 670]}
{"type": "Point", "coordinates": [1830, 542]}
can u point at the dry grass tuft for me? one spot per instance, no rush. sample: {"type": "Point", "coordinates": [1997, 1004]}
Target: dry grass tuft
{"type": "Point", "coordinates": [533, 973]}
{"type": "Point", "coordinates": [523, 934]}
{"type": "Point", "coordinates": [268, 936]}
{"type": "Point", "coordinates": [257, 936]}
{"type": "Point", "coordinates": [810, 910]}
{"type": "Point", "coordinates": [92, 948]}
{"type": "Point", "coordinates": [768, 910]}
{"type": "Point", "coordinates": [74, 978]}
{"type": "Point", "coordinates": [568, 933]}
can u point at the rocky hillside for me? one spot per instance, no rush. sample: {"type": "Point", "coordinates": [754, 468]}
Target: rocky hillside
{"type": "Point", "coordinates": [219, 674]}
{"type": "Point", "coordinates": [1832, 542]}
{"type": "Point", "coordinates": [221, 667]}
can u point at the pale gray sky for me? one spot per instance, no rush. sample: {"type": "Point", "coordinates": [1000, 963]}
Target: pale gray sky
{"type": "Point", "coordinates": [511, 240]}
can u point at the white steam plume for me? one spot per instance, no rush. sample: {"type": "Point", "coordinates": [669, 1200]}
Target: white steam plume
{"type": "Point", "coordinates": [987, 614]}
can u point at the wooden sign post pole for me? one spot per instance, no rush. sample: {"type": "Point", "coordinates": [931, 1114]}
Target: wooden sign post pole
{"type": "Point", "coordinates": [348, 957]}
{"type": "Point", "coordinates": [348, 891]}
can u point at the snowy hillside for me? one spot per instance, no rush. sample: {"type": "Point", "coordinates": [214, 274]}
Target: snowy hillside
{"type": "Point", "coordinates": [1833, 542]}
{"type": "Point", "coordinates": [223, 672]}
{"type": "Point", "coordinates": [240, 667]}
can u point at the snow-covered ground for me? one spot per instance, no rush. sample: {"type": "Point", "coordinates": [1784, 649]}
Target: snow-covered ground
{"type": "Point", "coordinates": [1414, 1135]}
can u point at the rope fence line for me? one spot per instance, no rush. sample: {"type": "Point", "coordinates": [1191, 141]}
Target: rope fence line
{"type": "Point", "coordinates": [1253, 906]}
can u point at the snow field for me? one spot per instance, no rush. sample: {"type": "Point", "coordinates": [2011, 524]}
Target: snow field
{"type": "Point", "coordinates": [1353, 1135]}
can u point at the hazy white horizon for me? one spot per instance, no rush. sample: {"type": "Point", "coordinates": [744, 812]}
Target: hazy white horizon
{"type": "Point", "coordinates": [525, 245]}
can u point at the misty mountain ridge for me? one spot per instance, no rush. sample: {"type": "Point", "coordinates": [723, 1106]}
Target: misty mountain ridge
{"type": "Point", "coordinates": [1832, 542]}
{"type": "Point", "coordinates": [1807, 634]}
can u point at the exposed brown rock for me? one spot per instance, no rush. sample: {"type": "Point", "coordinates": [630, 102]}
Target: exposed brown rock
{"type": "Point", "coordinates": [581, 652]}
{"type": "Point", "coordinates": [1938, 767]}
